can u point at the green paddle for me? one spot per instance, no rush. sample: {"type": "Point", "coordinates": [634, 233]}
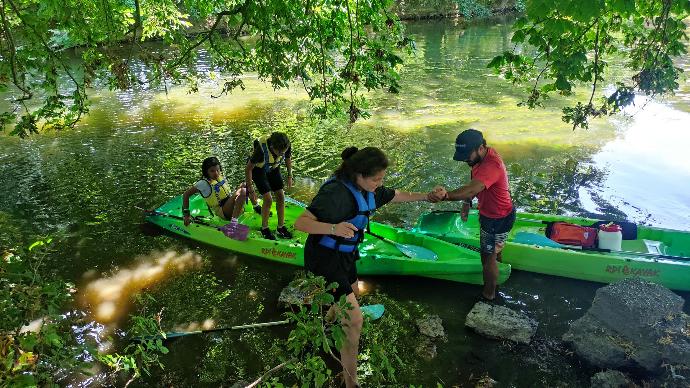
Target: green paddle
{"type": "Point", "coordinates": [411, 251]}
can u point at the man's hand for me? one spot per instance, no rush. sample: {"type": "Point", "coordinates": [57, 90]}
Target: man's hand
{"type": "Point", "coordinates": [465, 211]}
{"type": "Point", "coordinates": [438, 194]}
{"type": "Point", "coordinates": [187, 220]}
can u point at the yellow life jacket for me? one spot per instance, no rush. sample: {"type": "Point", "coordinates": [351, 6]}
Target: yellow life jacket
{"type": "Point", "coordinates": [270, 160]}
{"type": "Point", "coordinates": [219, 191]}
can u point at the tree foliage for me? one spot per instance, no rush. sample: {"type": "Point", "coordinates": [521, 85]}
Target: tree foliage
{"type": "Point", "coordinates": [574, 40]}
{"type": "Point", "coordinates": [334, 48]}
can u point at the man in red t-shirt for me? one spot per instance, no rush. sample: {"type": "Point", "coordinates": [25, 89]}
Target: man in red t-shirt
{"type": "Point", "coordinates": [489, 183]}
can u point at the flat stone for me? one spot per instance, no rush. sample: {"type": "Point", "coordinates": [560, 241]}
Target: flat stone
{"type": "Point", "coordinates": [501, 322]}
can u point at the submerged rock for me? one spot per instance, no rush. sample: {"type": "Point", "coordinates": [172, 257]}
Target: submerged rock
{"type": "Point", "coordinates": [633, 324]}
{"type": "Point", "coordinates": [611, 379]}
{"type": "Point", "coordinates": [431, 326]}
{"type": "Point", "coordinates": [426, 348]}
{"type": "Point", "coordinates": [297, 292]}
{"type": "Point", "coordinates": [501, 322]}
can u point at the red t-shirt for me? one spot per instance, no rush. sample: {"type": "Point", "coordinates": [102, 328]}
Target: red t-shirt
{"type": "Point", "coordinates": [494, 200]}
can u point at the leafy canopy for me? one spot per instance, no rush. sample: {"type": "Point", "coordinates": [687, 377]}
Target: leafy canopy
{"type": "Point", "coordinates": [53, 50]}
{"type": "Point", "coordinates": [573, 40]}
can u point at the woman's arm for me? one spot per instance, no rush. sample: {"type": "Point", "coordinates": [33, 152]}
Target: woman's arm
{"type": "Point", "coordinates": [308, 223]}
{"type": "Point", "coordinates": [248, 181]}
{"type": "Point", "coordinates": [288, 165]}
{"type": "Point", "coordinates": [466, 192]}
{"type": "Point", "coordinates": [404, 196]}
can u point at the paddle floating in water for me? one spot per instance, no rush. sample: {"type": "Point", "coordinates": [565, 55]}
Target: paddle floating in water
{"type": "Point", "coordinates": [374, 312]}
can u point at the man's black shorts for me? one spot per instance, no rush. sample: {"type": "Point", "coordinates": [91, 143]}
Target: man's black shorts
{"type": "Point", "coordinates": [494, 231]}
{"type": "Point", "coordinates": [265, 182]}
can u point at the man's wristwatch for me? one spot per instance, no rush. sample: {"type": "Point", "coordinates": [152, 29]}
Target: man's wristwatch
{"type": "Point", "coordinates": [185, 212]}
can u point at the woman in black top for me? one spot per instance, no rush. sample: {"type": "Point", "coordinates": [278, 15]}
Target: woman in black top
{"type": "Point", "coordinates": [338, 201]}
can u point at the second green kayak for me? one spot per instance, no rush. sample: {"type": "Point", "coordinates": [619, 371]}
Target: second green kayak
{"type": "Point", "coordinates": [378, 257]}
{"type": "Point", "coordinates": [658, 255]}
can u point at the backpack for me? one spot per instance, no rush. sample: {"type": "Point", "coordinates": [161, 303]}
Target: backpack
{"type": "Point", "coordinates": [571, 234]}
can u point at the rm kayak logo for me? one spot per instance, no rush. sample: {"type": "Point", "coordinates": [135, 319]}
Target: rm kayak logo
{"type": "Point", "coordinates": [631, 271]}
{"type": "Point", "coordinates": [278, 253]}
{"type": "Point", "coordinates": [179, 229]}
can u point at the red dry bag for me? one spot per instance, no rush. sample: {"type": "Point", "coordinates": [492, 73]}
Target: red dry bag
{"type": "Point", "coordinates": [571, 234]}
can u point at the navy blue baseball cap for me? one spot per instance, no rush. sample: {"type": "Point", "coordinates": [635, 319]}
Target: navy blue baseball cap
{"type": "Point", "coordinates": [466, 142]}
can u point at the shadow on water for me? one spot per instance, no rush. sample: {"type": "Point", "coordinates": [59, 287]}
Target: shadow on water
{"type": "Point", "coordinates": [140, 149]}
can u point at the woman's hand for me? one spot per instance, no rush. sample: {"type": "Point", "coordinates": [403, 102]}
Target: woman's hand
{"type": "Point", "coordinates": [438, 194]}
{"type": "Point", "coordinates": [344, 229]}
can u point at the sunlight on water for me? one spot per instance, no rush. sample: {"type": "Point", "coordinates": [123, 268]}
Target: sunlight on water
{"type": "Point", "coordinates": [108, 298]}
{"type": "Point", "coordinates": [649, 166]}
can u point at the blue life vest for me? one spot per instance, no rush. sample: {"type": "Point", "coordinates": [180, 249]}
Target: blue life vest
{"type": "Point", "coordinates": [365, 208]}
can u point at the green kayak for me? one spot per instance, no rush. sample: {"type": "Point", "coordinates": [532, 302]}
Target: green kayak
{"type": "Point", "coordinates": [378, 257]}
{"type": "Point", "coordinates": [658, 255]}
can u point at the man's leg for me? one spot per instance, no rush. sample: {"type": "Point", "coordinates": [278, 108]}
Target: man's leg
{"type": "Point", "coordinates": [490, 272]}
{"type": "Point", "coordinates": [487, 242]}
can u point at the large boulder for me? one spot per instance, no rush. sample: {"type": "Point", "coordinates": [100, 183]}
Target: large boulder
{"type": "Point", "coordinates": [633, 324]}
{"type": "Point", "coordinates": [611, 379]}
{"type": "Point", "coordinates": [501, 322]}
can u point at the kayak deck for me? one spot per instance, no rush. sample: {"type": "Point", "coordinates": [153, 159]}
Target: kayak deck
{"type": "Point", "coordinates": [642, 257]}
{"type": "Point", "coordinates": [377, 257]}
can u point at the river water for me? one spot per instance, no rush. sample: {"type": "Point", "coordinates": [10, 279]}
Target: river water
{"type": "Point", "coordinates": [139, 148]}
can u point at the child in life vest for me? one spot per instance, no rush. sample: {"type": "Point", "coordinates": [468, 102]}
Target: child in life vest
{"type": "Point", "coordinates": [215, 190]}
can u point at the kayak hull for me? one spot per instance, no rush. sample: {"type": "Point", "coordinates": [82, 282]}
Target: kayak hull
{"type": "Point", "coordinates": [594, 266]}
{"type": "Point", "coordinates": [378, 257]}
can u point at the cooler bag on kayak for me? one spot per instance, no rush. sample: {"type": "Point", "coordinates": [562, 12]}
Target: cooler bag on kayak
{"type": "Point", "coordinates": [571, 234]}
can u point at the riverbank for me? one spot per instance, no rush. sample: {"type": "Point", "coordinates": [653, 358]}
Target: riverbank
{"type": "Point", "coordinates": [468, 9]}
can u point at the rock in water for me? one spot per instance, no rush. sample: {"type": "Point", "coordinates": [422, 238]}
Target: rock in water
{"type": "Point", "coordinates": [431, 326]}
{"type": "Point", "coordinates": [501, 322]}
{"type": "Point", "coordinates": [633, 324]}
{"type": "Point", "coordinates": [610, 379]}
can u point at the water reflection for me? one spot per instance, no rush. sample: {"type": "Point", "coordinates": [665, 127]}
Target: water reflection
{"type": "Point", "coordinates": [108, 298]}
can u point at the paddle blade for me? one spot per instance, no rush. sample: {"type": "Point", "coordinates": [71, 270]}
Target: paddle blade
{"type": "Point", "coordinates": [535, 239]}
{"type": "Point", "coordinates": [373, 311]}
{"type": "Point", "coordinates": [417, 252]}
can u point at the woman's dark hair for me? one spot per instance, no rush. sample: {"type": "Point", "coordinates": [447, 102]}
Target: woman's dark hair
{"type": "Point", "coordinates": [368, 161]}
{"type": "Point", "coordinates": [208, 163]}
{"type": "Point", "coordinates": [279, 141]}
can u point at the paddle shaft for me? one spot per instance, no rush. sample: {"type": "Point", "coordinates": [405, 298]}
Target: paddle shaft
{"type": "Point", "coordinates": [517, 218]}
{"type": "Point", "coordinates": [194, 219]}
{"type": "Point", "coordinates": [238, 327]}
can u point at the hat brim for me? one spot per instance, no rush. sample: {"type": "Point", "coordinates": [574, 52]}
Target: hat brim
{"type": "Point", "coordinates": [462, 155]}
